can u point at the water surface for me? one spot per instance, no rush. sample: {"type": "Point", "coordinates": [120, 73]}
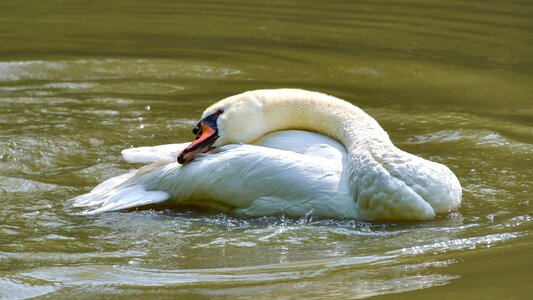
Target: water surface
{"type": "Point", "coordinates": [450, 81]}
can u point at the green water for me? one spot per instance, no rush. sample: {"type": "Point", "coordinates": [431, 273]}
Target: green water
{"type": "Point", "coordinates": [80, 80]}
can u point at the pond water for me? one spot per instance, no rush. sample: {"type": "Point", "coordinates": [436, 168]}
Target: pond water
{"type": "Point", "coordinates": [450, 81]}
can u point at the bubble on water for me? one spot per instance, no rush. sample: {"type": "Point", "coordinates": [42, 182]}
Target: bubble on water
{"type": "Point", "coordinates": [147, 107]}
{"type": "Point", "coordinates": [490, 217]}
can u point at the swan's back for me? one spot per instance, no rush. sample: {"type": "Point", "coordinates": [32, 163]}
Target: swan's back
{"type": "Point", "coordinates": [274, 176]}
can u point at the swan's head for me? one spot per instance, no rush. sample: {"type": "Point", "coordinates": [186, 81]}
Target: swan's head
{"type": "Point", "coordinates": [237, 119]}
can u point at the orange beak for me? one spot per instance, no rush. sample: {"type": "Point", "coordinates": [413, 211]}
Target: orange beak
{"type": "Point", "coordinates": [201, 144]}
{"type": "Point", "coordinates": [206, 134]}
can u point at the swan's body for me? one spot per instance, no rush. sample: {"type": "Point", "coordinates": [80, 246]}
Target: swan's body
{"type": "Point", "coordinates": [353, 172]}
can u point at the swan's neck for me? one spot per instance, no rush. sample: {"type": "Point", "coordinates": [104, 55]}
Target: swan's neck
{"type": "Point", "coordinates": [324, 114]}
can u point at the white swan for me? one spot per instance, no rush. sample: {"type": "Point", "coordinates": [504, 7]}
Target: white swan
{"type": "Point", "coordinates": [263, 163]}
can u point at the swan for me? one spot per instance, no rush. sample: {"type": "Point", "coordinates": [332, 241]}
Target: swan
{"type": "Point", "coordinates": [284, 151]}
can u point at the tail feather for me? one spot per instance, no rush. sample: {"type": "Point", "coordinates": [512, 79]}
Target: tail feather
{"type": "Point", "coordinates": [130, 189]}
{"type": "Point", "coordinates": [97, 195]}
{"type": "Point", "coordinates": [118, 193]}
{"type": "Point", "coordinates": [133, 196]}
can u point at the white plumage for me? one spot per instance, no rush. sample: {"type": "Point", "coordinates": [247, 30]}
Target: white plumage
{"type": "Point", "coordinates": [266, 164]}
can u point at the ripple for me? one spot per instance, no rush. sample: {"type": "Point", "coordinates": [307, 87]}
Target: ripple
{"type": "Point", "coordinates": [437, 137]}
{"type": "Point", "coordinates": [69, 257]}
{"type": "Point", "coordinates": [518, 221]}
{"type": "Point", "coordinates": [68, 85]}
{"type": "Point", "coordinates": [110, 69]}
{"type": "Point", "coordinates": [364, 283]}
{"type": "Point", "coordinates": [16, 289]}
{"type": "Point", "coordinates": [459, 244]}
{"type": "Point", "coordinates": [128, 275]}
{"type": "Point", "coordinates": [20, 185]}
{"type": "Point", "coordinates": [476, 137]}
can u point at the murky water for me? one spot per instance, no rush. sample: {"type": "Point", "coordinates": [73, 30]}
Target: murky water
{"type": "Point", "coordinates": [449, 80]}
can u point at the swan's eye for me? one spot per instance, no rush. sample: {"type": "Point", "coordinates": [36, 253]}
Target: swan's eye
{"type": "Point", "coordinates": [220, 111]}
{"type": "Point", "coordinates": [196, 129]}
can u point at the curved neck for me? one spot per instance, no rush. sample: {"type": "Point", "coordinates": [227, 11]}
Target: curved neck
{"type": "Point", "coordinates": [311, 111]}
